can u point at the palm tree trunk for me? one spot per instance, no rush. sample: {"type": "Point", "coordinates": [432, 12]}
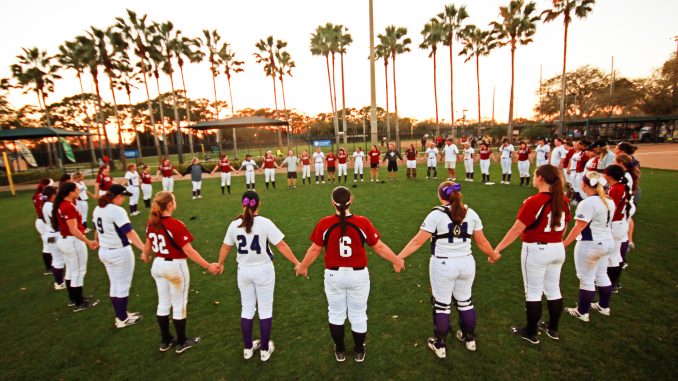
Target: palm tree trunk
{"type": "Point", "coordinates": [102, 120]}
{"type": "Point", "coordinates": [216, 109]}
{"type": "Point", "coordinates": [230, 97]}
{"type": "Point", "coordinates": [180, 140]}
{"type": "Point", "coordinates": [343, 101]}
{"type": "Point", "coordinates": [150, 112]}
{"type": "Point", "coordinates": [450, 39]}
{"type": "Point", "coordinates": [275, 100]}
{"type": "Point", "coordinates": [50, 158]}
{"type": "Point", "coordinates": [561, 126]}
{"type": "Point", "coordinates": [388, 114]}
{"type": "Point", "coordinates": [395, 102]}
{"type": "Point", "coordinates": [334, 112]}
{"type": "Point", "coordinates": [89, 137]}
{"type": "Point", "coordinates": [287, 117]}
{"type": "Point", "coordinates": [121, 144]}
{"type": "Point", "coordinates": [478, 84]}
{"type": "Point", "coordinates": [140, 156]}
{"type": "Point", "coordinates": [435, 91]}
{"type": "Point", "coordinates": [334, 100]}
{"type": "Point", "coordinates": [162, 117]}
{"type": "Point", "coordinates": [510, 117]}
{"type": "Point", "coordinates": [188, 112]}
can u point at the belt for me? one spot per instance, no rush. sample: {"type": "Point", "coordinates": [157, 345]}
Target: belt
{"type": "Point", "coordinates": [168, 259]}
{"type": "Point", "coordinates": [354, 268]}
{"type": "Point", "coordinates": [440, 257]}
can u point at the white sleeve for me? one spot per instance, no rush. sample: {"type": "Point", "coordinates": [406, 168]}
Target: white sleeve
{"type": "Point", "coordinates": [273, 234]}
{"type": "Point", "coordinates": [120, 217]}
{"type": "Point", "coordinates": [584, 212]}
{"type": "Point", "coordinates": [474, 220]}
{"type": "Point", "coordinates": [128, 175]}
{"type": "Point", "coordinates": [229, 239]}
{"type": "Point", "coordinates": [431, 222]}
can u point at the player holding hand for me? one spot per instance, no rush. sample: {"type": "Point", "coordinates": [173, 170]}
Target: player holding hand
{"type": "Point", "coordinates": [225, 168]}
{"type": "Point", "coordinates": [167, 170]}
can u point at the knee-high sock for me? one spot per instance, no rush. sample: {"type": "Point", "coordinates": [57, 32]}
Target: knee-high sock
{"type": "Point", "coordinates": [614, 273]}
{"type": "Point", "coordinates": [585, 299]}
{"type": "Point", "coordinates": [442, 327]}
{"type": "Point", "coordinates": [508, 177]}
{"type": "Point", "coordinates": [47, 260]}
{"type": "Point", "coordinates": [199, 191]}
{"type": "Point", "coordinates": [267, 185]}
{"type": "Point", "coordinates": [71, 293]}
{"type": "Point", "coordinates": [624, 250]}
{"type": "Point", "coordinates": [428, 172]}
{"type": "Point", "coordinates": [265, 328]}
{"type": "Point", "coordinates": [467, 322]}
{"type": "Point", "coordinates": [119, 308]}
{"type": "Point", "coordinates": [555, 309]}
{"type": "Point", "coordinates": [58, 275]}
{"type": "Point", "coordinates": [533, 312]}
{"type": "Point", "coordinates": [180, 327]}
{"type": "Point", "coordinates": [337, 332]}
{"type": "Point", "coordinates": [194, 194]}
{"type": "Point", "coordinates": [229, 189]}
{"type": "Point", "coordinates": [604, 296]}
{"type": "Point", "coordinates": [222, 190]}
{"type": "Point", "coordinates": [246, 327]}
{"type": "Point", "coordinates": [414, 172]}
{"type": "Point", "coordinates": [359, 341]}
{"type": "Point", "coordinates": [77, 294]}
{"type": "Point", "coordinates": [165, 335]}
{"type": "Point", "coordinates": [345, 178]}
{"type": "Point", "coordinates": [273, 184]}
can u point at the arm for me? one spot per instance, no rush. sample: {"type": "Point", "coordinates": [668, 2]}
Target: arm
{"type": "Point", "coordinates": [311, 255]}
{"type": "Point", "coordinates": [485, 247]}
{"type": "Point", "coordinates": [214, 169]}
{"type": "Point", "coordinates": [96, 190]}
{"type": "Point", "coordinates": [385, 252]}
{"type": "Point", "coordinates": [511, 236]}
{"type": "Point", "coordinates": [73, 228]}
{"type": "Point", "coordinates": [146, 252]}
{"type": "Point", "coordinates": [223, 253]}
{"type": "Point", "coordinates": [579, 225]}
{"type": "Point", "coordinates": [287, 253]}
{"type": "Point", "coordinates": [177, 172]}
{"type": "Point", "coordinates": [134, 238]}
{"type": "Point", "coordinates": [191, 253]}
{"type": "Point", "coordinates": [414, 244]}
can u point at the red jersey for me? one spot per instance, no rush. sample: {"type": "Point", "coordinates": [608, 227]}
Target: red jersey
{"type": "Point", "coordinates": [331, 161]}
{"type": "Point", "coordinates": [593, 167]}
{"type": "Point", "coordinates": [37, 204]}
{"type": "Point", "coordinates": [347, 250]}
{"type": "Point", "coordinates": [168, 239]}
{"type": "Point", "coordinates": [269, 162]}
{"type": "Point", "coordinates": [225, 166]}
{"type": "Point", "coordinates": [68, 211]}
{"type": "Point", "coordinates": [411, 154]}
{"type": "Point", "coordinates": [485, 154]}
{"type": "Point", "coordinates": [523, 154]}
{"type": "Point", "coordinates": [305, 159]}
{"type": "Point", "coordinates": [568, 157]}
{"type": "Point", "coordinates": [536, 215]}
{"type": "Point", "coordinates": [342, 157]}
{"type": "Point", "coordinates": [104, 182]}
{"type": "Point", "coordinates": [581, 164]}
{"type": "Point", "coordinates": [146, 178]}
{"type": "Point", "coordinates": [618, 194]}
{"type": "Point", "coordinates": [374, 156]}
{"type": "Point", "coordinates": [167, 170]}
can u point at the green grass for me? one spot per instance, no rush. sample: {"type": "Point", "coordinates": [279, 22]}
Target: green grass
{"type": "Point", "coordinates": [43, 339]}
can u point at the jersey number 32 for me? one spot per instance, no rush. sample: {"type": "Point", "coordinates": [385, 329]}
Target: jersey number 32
{"type": "Point", "coordinates": [158, 244]}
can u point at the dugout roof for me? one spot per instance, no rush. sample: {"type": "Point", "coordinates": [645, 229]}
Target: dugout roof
{"type": "Point", "coordinates": [239, 122]}
{"type": "Point", "coordinates": [37, 133]}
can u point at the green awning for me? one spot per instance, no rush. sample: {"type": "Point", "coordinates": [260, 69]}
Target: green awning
{"type": "Point", "coordinates": [37, 133]}
{"type": "Point", "coordinates": [239, 122]}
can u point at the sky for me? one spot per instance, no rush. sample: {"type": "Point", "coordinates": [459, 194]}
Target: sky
{"type": "Point", "coordinates": [638, 34]}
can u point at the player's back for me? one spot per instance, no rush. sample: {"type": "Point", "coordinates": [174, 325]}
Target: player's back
{"type": "Point", "coordinates": [253, 247]}
{"type": "Point", "coordinates": [112, 224]}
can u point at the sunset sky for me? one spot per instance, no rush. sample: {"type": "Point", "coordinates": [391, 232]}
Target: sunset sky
{"type": "Point", "coordinates": [638, 34]}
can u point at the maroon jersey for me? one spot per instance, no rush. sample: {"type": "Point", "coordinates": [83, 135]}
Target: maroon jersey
{"type": "Point", "coordinates": [269, 162]}
{"type": "Point", "coordinates": [305, 159]}
{"type": "Point", "coordinates": [485, 153]}
{"type": "Point", "coordinates": [331, 161]}
{"type": "Point", "coordinates": [620, 197]}
{"type": "Point", "coordinates": [225, 166]}
{"type": "Point", "coordinates": [581, 164]}
{"type": "Point", "coordinates": [523, 154]}
{"type": "Point", "coordinates": [568, 157]}
{"type": "Point", "coordinates": [411, 154]}
{"type": "Point", "coordinates": [169, 238]}
{"type": "Point", "coordinates": [374, 156]}
{"type": "Point", "coordinates": [342, 157]}
{"type": "Point", "coordinates": [146, 178]}
{"type": "Point", "coordinates": [104, 182]}
{"type": "Point", "coordinates": [536, 215]}
{"type": "Point", "coordinates": [347, 250]}
{"type": "Point", "coordinates": [593, 167]}
{"type": "Point", "coordinates": [167, 170]}
{"type": "Point", "coordinates": [37, 204]}
{"type": "Point", "coordinates": [68, 211]}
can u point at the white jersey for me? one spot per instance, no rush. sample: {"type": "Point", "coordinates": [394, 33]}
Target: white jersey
{"type": "Point", "coordinates": [47, 208]}
{"type": "Point", "coordinates": [253, 248]}
{"type": "Point", "coordinates": [506, 151]}
{"type": "Point", "coordinates": [451, 151]}
{"type": "Point", "coordinates": [468, 153]}
{"type": "Point", "coordinates": [318, 157]}
{"type": "Point", "coordinates": [558, 154]}
{"type": "Point", "coordinates": [112, 225]}
{"type": "Point", "coordinates": [431, 153]}
{"type": "Point", "coordinates": [358, 158]}
{"type": "Point", "coordinates": [593, 211]}
{"type": "Point", "coordinates": [83, 190]}
{"type": "Point", "coordinates": [132, 178]}
{"type": "Point", "coordinates": [629, 182]}
{"type": "Point", "coordinates": [575, 158]}
{"type": "Point", "coordinates": [542, 152]}
{"type": "Point", "coordinates": [249, 165]}
{"type": "Point", "coordinates": [458, 244]}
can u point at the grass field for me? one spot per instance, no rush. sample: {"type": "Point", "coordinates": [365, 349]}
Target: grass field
{"type": "Point", "coordinates": [44, 340]}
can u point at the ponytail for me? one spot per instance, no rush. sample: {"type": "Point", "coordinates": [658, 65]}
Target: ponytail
{"type": "Point", "coordinates": [160, 204]}
{"type": "Point", "coordinates": [596, 181]}
{"type": "Point", "coordinates": [105, 200]}
{"type": "Point", "coordinates": [619, 175]}
{"type": "Point", "coordinates": [632, 168]}
{"type": "Point", "coordinates": [250, 203]}
{"type": "Point", "coordinates": [451, 192]}
{"type": "Point", "coordinates": [64, 190]}
{"type": "Point", "coordinates": [341, 198]}
{"type": "Point", "coordinates": [551, 175]}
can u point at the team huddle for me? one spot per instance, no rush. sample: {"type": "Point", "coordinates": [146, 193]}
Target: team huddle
{"type": "Point", "coordinates": [602, 184]}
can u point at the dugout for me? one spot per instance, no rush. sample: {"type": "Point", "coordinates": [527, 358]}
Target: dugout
{"type": "Point", "coordinates": [51, 133]}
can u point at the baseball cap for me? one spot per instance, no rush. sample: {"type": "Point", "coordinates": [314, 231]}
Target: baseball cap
{"type": "Point", "coordinates": [593, 146]}
{"type": "Point", "coordinates": [117, 190]}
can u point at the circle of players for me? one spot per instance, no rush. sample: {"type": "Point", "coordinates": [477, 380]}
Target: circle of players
{"type": "Point", "coordinates": [602, 184]}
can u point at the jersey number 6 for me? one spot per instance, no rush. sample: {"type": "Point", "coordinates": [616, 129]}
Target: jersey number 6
{"type": "Point", "coordinates": [345, 250]}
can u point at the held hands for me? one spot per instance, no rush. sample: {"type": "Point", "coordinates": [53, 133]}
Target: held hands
{"type": "Point", "coordinates": [398, 264]}
{"type": "Point", "coordinates": [494, 257]}
{"type": "Point", "coordinates": [301, 270]}
{"type": "Point", "coordinates": [215, 268]}
{"type": "Point", "coordinates": [93, 245]}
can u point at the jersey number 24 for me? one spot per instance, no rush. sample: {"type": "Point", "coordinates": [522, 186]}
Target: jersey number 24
{"type": "Point", "coordinates": [254, 246]}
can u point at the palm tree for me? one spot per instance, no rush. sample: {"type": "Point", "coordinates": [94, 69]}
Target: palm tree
{"type": "Point", "coordinates": [383, 52]}
{"type": "Point", "coordinates": [266, 55]}
{"type": "Point", "coordinates": [188, 48]}
{"type": "Point", "coordinates": [157, 59]}
{"type": "Point", "coordinates": [285, 66]}
{"type": "Point", "coordinates": [433, 34]}
{"type": "Point", "coordinates": [231, 66]}
{"type": "Point", "coordinates": [138, 34]}
{"type": "Point", "coordinates": [344, 39]}
{"type": "Point", "coordinates": [128, 75]}
{"type": "Point", "coordinates": [517, 25]}
{"type": "Point", "coordinates": [72, 56]}
{"type": "Point", "coordinates": [452, 19]}
{"type": "Point", "coordinates": [35, 71]}
{"type": "Point", "coordinates": [581, 9]}
{"type": "Point", "coordinates": [168, 39]}
{"type": "Point", "coordinates": [320, 46]}
{"type": "Point", "coordinates": [212, 39]}
{"type": "Point", "coordinates": [395, 42]}
{"type": "Point", "coordinates": [477, 43]}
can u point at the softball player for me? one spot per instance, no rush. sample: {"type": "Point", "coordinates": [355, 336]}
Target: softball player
{"type": "Point", "coordinates": [347, 280]}
{"type": "Point", "coordinates": [167, 170]}
{"type": "Point", "coordinates": [170, 242]}
{"type": "Point", "coordinates": [146, 185]}
{"type": "Point", "coordinates": [542, 150]}
{"type": "Point", "coordinates": [485, 153]}
{"type": "Point", "coordinates": [524, 164]}
{"type": "Point", "coordinates": [391, 156]}
{"type": "Point", "coordinates": [269, 165]}
{"type": "Point", "coordinates": [541, 223]}
{"type": "Point", "coordinates": [40, 227]}
{"type": "Point", "coordinates": [196, 170]}
{"type": "Point", "coordinates": [506, 157]}
{"type": "Point", "coordinates": [225, 168]}
{"type": "Point", "coordinates": [305, 167]}
{"type": "Point", "coordinates": [251, 233]}
{"type": "Point", "coordinates": [82, 204]}
{"type": "Point", "coordinates": [620, 193]}
{"type": "Point", "coordinates": [319, 161]}
{"type": "Point", "coordinates": [114, 232]}
{"type": "Point", "coordinates": [342, 160]}
{"type": "Point", "coordinates": [132, 177]}
{"type": "Point", "coordinates": [249, 165]}
{"type": "Point", "coordinates": [432, 161]}
{"type": "Point", "coordinates": [452, 268]}
{"type": "Point", "coordinates": [579, 160]}
{"type": "Point", "coordinates": [73, 244]}
{"type": "Point", "coordinates": [50, 238]}
{"type": "Point", "coordinates": [595, 245]}
{"type": "Point", "coordinates": [411, 164]}
{"type": "Point", "coordinates": [468, 161]}
{"type": "Point", "coordinates": [358, 159]}
{"type": "Point", "coordinates": [450, 152]}
{"type": "Point", "coordinates": [103, 181]}
{"type": "Point", "coordinates": [331, 167]}
{"type": "Point", "coordinates": [291, 162]}
{"type": "Point", "coordinates": [374, 155]}
{"type": "Point", "coordinates": [558, 153]}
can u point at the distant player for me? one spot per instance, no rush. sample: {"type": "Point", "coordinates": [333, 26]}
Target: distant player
{"type": "Point", "coordinates": [565, 163]}
{"type": "Point", "coordinates": [358, 160]}
{"type": "Point", "coordinates": [146, 185]}
{"type": "Point", "coordinates": [251, 234]}
{"type": "Point", "coordinates": [195, 169]}
{"type": "Point", "coordinates": [468, 160]}
{"type": "Point", "coordinates": [524, 164]}
{"type": "Point", "coordinates": [485, 155]}
{"type": "Point", "coordinates": [541, 223]}
{"type": "Point", "coordinates": [506, 156]}
{"type": "Point", "coordinates": [319, 161]}
{"type": "Point", "coordinates": [305, 167]}
{"type": "Point", "coordinates": [595, 245]}
{"type": "Point", "coordinates": [249, 165]}
{"type": "Point", "coordinates": [432, 161]}
{"type": "Point", "coordinates": [170, 242]}
{"type": "Point", "coordinates": [621, 195]}
{"type": "Point", "coordinates": [103, 181]}
{"type": "Point", "coordinates": [542, 152]}
{"type": "Point", "coordinates": [114, 232]}
{"type": "Point", "coordinates": [449, 153]}
{"type": "Point", "coordinates": [579, 159]}
{"type": "Point", "coordinates": [167, 170]}
{"type": "Point", "coordinates": [392, 156]}
{"type": "Point", "coordinates": [374, 156]}
{"type": "Point", "coordinates": [342, 160]}
{"type": "Point", "coordinates": [50, 238]}
{"type": "Point", "coordinates": [411, 165]}
{"type": "Point", "coordinates": [291, 161]}
{"type": "Point", "coordinates": [558, 152]}
{"type": "Point", "coordinates": [225, 168]}
{"type": "Point", "coordinates": [331, 161]}
{"type": "Point", "coordinates": [269, 165]}
{"type": "Point", "coordinates": [452, 269]}
{"type": "Point", "coordinates": [132, 178]}
{"type": "Point", "coordinates": [347, 280]}
{"type": "Point", "coordinates": [82, 203]}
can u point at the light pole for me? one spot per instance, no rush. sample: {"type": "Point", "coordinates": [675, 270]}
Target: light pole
{"type": "Point", "coordinates": [373, 90]}
{"type": "Point", "coordinates": [463, 120]}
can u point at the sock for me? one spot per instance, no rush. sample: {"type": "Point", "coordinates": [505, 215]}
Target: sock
{"type": "Point", "coordinates": [527, 180]}
{"type": "Point", "coordinates": [488, 178]}
{"type": "Point", "coordinates": [71, 294]}
{"type": "Point", "coordinates": [267, 185]}
{"type": "Point", "coordinates": [442, 326]}
{"type": "Point", "coordinates": [47, 260]}
{"type": "Point", "coordinates": [58, 275]}
{"type": "Point", "coordinates": [84, 225]}
{"type": "Point", "coordinates": [303, 180]}
{"type": "Point", "coordinates": [407, 173]}
{"type": "Point", "coordinates": [252, 185]}
{"type": "Point", "coordinates": [521, 180]}
{"type": "Point", "coordinates": [614, 273]}
{"type": "Point", "coordinates": [414, 173]}
{"type": "Point", "coordinates": [345, 178]}
{"type": "Point", "coordinates": [199, 192]}
{"type": "Point", "coordinates": [585, 299]}
{"type": "Point", "coordinates": [428, 172]}
{"type": "Point", "coordinates": [246, 327]}
{"type": "Point", "coordinates": [265, 329]}
{"type": "Point", "coordinates": [359, 340]}
{"type": "Point", "coordinates": [322, 177]}
{"type": "Point", "coordinates": [337, 332]}
{"type": "Point", "coordinates": [273, 182]}
{"type": "Point", "coordinates": [355, 177]}
{"type": "Point", "coordinates": [180, 327]}
{"type": "Point", "coordinates": [119, 308]}
{"type": "Point", "coordinates": [248, 186]}
{"type": "Point", "coordinates": [503, 177]}
{"type": "Point", "coordinates": [77, 294]}
{"type": "Point", "coordinates": [193, 192]}
{"type": "Point", "coordinates": [435, 172]}
{"type": "Point", "coordinates": [229, 189]}
{"type": "Point", "coordinates": [316, 178]}
{"type": "Point", "coordinates": [604, 296]}
{"type": "Point", "coordinates": [533, 312]}
{"type": "Point", "coordinates": [624, 249]}
{"type": "Point", "coordinates": [361, 176]}
{"type": "Point", "coordinates": [555, 309]}
{"type": "Point", "coordinates": [508, 177]}
{"type": "Point", "coordinates": [222, 190]}
{"type": "Point", "coordinates": [472, 173]}
{"type": "Point", "coordinates": [147, 203]}
{"type": "Point", "coordinates": [467, 323]}
{"type": "Point", "coordinates": [165, 335]}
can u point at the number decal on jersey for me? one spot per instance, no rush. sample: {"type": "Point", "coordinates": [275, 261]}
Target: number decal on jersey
{"type": "Point", "coordinates": [100, 225]}
{"type": "Point", "coordinates": [158, 244]}
{"type": "Point", "coordinates": [457, 232]}
{"type": "Point", "coordinates": [561, 224]}
{"type": "Point", "coordinates": [254, 246]}
{"type": "Point", "coordinates": [345, 250]}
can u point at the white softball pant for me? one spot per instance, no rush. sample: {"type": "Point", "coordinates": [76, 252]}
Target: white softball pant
{"type": "Point", "coordinates": [83, 208]}
{"type": "Point", "coordinates": [541, 162]}
{"type": "Point", "coordinates": [468, 166]}
{"type": "Point", "coordinates": [249, 177]}
{"type": "Point", "coordinates": [411, 164]}
{"type": "Point", "coordinates": [172, 280]}
{"type": "Point", "coordinates": [620, 234]}
{"type": "Point", "coordinates": [590, 260]}
{"type": "Point", "coordinates": [168, 184]}
{"type": "Point", "coordinates": [485, 167]}
{"type": "Point", "coordinates": [577, 179]}
{"type": "Point", "coordinates": [306, 171]}
{"type": "Point", "coordinates": [102, 192]}
{"type": "Point", "coordinates": [197, 185]}
{"type": "Point", "coordinates": [431, 162]}
{"type": "Point", "coordinates": [147, 190]}
{"type": "Point", "coordinates": [134, 198]}
{"type": "Point", "coordinates": [40, 226]}
{"type": "Point", "coordinates": [269, 174]}
{"type": "Point", "coordinates": [358, 170]}
{"type": "Point", "coordinates": [225, 179]}
{"type": "Point", "coordinates": [541, 266]}
{"type": "Point", "coordinates": [119, 265]}
{"type": "Point", "coordinates": [53, 248]}
{"type": "Point", "coordinates": [524, 168]}
{"type": "Point", "coordinates": [506, 165]}
{"type": "Point", "coordinates": [452, 277]}
{"type": "Point", "coordinates": [450, 164]}
{"type": "Point", "coordinates": [347, 290]}
{"type": "Point", "coordinates": [75, 256]}
{"type": "Point", "coordinates": [342, 169]}
{"type": "Point", "coordinates": [256, 284]}
{"type": "Point", "coordinates": [319, 169]}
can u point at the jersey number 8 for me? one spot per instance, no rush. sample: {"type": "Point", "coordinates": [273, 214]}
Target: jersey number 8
{"type": "Point", "coordinates": [158, 244]}
{"type": "Point", "coordinates": [345, 250]}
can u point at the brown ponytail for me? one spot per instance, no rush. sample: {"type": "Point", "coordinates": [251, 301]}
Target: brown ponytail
{"type": "Point", "coordinates": [64, 190]}
{"type": "Point", "coordinates": [250, 203]}
{"type": "Point", "coordinates": [160, 204]}
{"type": "Point", "coordinates": [341, 198]}
{"type": "Point", "coordinates": [451, 192]}
{"type": "Point", "coordinates": [105, 200]}
{"type": "Point", "coordinates": [631, 167]}
{"type": "Point", "coordinates": [551, 175]}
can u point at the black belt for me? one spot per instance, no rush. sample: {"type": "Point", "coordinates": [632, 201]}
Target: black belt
{"type": "Point", "coordinates": [441, 257]}
{"type": "Point", "coordinates": [354, 268]}
{"type": "Point", "coordinates": [168, 259]}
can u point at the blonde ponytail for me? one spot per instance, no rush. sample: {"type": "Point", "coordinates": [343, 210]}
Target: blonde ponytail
{"type": "Point", "coordinates": [160, 204]}
{"type": "Point", "coordinates": [596, 181]}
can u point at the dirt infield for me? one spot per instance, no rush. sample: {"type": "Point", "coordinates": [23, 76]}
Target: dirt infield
{"type": "Point", "coordinates": [660, 156]}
